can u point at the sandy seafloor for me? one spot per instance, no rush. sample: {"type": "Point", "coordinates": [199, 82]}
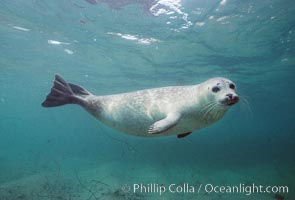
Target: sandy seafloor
{"type": "Point", "coordinates": [105, 182]}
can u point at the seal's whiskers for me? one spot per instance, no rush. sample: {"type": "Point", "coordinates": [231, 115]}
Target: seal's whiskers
{"type": "Point", "coordinates": [207, 106]}
{"type": "Point", "coordinates": [207, 114]}
{"type": "Point", "coordinates": [245, 104]}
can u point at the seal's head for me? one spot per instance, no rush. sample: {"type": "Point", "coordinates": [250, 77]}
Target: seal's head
{"type": "Point", "coordinates": [222, 91]}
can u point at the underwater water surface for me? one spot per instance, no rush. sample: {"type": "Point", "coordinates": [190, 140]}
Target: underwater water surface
{"type": "Point", "coordinates": [112, 47]}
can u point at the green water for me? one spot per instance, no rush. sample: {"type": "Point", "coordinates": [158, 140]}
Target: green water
{"type": "Point", "coordinates": [112, 47]}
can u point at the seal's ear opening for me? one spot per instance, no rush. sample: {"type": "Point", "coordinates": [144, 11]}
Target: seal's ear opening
{"type": "Point", "coordinates": [64, 93]}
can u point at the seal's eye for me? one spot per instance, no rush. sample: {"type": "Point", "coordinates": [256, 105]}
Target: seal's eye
{"type": "Point", "coordinates": [232, 86]}
{"type": "Point", "coordinates": [215, 89]}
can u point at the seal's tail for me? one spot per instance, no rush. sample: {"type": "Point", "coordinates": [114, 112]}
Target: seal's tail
{"type": "Point", "coordinates": [65, 93]}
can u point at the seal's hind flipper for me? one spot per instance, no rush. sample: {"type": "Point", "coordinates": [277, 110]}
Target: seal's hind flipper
{"type": "Point", "coordinates": [64, 93]}
{"type": "Point", "coordinates": [78, 90]}
{"type": "Point", "coordinates": [182, 135]}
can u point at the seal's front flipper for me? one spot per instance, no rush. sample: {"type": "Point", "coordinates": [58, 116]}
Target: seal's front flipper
{"type": "Point", "coordinates": [182, 135]}
{"type": "Point", "coordinates": [165, 124]}
{"type": "Point", "coordinates": [64, 93]}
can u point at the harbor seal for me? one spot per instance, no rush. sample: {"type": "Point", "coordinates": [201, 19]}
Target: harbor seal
{"type": "Point", "coordinates": [164, 111]}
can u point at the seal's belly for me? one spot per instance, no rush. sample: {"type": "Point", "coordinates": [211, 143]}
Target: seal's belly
{"type": "Point", "coordinates": [138, 123]}
{"type": "Point", "coordinates": [131, 122]}
{"type": "Point", "coordinates": [133, 115]}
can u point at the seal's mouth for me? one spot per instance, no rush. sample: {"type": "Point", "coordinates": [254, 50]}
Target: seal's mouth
{"type": "Point", "coordinates": [230, 100]}
{"type": "Point", "coordinates": [231, 103]}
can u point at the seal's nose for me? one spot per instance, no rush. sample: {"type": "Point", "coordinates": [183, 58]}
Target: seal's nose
{"type": "Point", "coordinates": [232, 99]}
{"type": "Point", "coordinates": [229, 95]}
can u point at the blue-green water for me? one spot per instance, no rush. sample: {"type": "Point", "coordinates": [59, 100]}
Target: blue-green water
{"type": "Point", "coordinates": [119, 46]}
